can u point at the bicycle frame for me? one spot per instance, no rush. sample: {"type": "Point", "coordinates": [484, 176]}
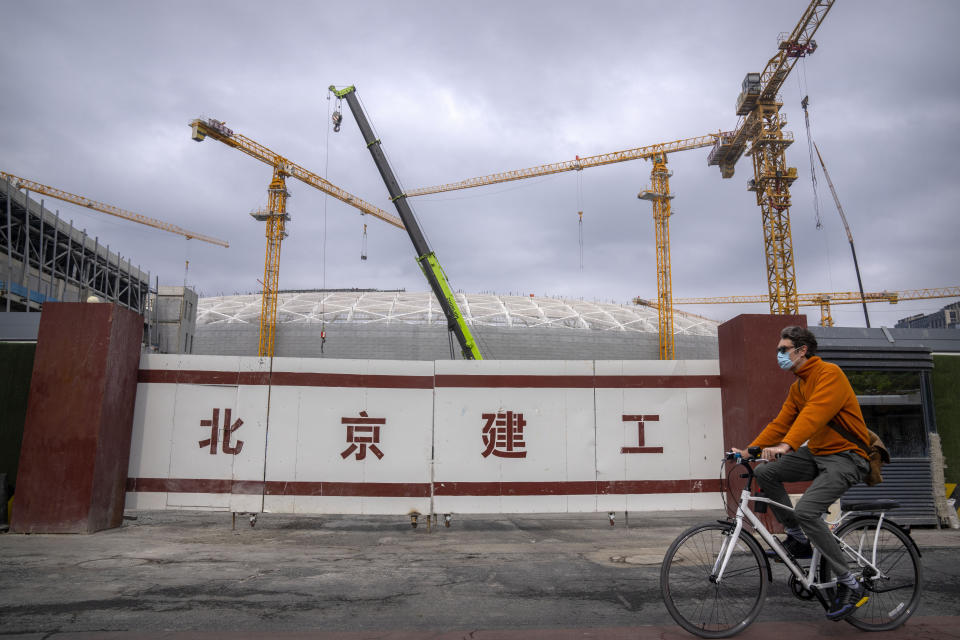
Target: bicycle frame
{"type": "Point", "coordinates": [807, 580]}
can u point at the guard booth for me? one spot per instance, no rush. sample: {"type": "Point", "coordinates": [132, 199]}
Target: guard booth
{"type": "Point", "coordinates": [894, 389]}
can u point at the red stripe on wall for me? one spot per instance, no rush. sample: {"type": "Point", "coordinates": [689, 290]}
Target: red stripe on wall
{"type": "Point", "coordinates": [285, 378]}
{"type": "Point", "coordinates": [529, 382]}
{"type": "Point", "coordinates": [350, 489]}
{"type": "Point", "coordinates": [420, 489]}
{"type": "Point", "coordinates": [587, 487]}
{"type": "Point", "coordinates": [579, 382]}
{"type": "Point", "coordinates": [178, 485]}
{"type": "Point", "coordinates": [621, 487]}
{"type": "Point", "coordinates": [574, 488]}
{"type": "Point", "coordinates": [658, 382]}
{"type": "Point", "coordinates": [361, 380]}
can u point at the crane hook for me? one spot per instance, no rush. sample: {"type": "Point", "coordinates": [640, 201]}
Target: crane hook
{"type": "Point", "coordinates": [337, 119]}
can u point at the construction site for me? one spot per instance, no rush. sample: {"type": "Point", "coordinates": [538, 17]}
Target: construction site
{"type": "Point", "coordinates": [604, 370]}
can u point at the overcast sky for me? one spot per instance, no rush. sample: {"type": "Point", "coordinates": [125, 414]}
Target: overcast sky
{"type": "Point", "coordinates": [98, 97]}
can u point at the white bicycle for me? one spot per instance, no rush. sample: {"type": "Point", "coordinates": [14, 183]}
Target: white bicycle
{"type": "Point", "coordinates": [714, 576]}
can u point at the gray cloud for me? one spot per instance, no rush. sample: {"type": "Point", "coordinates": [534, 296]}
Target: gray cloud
{"type": "Point", "coordinates": [100, 94]}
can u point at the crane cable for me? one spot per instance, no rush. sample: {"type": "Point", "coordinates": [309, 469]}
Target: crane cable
{"type": "Point", "coordinates": [804, 90]}
{"type": "Point", "coordinates": [580, 208]}
{"type": "Point", "coordinates": [336, 117]}
{"type": "Point", "coordinates": [186, 261]}
{"type": "Point", "coordinates": [836, 201]}
{"type": "Point", "coordinates": [813, 171]}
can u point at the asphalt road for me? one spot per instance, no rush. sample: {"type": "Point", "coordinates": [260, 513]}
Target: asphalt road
{"type": "Point", "coordinates": [175, 573]}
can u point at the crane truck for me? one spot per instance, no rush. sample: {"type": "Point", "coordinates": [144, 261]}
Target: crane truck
{"type": "Point", "coordinates": [425, 256]}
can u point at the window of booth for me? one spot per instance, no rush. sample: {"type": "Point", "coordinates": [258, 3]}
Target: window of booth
{"type": "Point", "coordinates": [892, 406]}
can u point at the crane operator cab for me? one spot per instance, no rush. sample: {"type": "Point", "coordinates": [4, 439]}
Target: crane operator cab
{"type": "Point", "coordinates": [749, 92]}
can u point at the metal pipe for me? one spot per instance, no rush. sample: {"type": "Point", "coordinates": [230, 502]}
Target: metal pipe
{"type": "Point", "coordinates": [96, 264]}
{"type": "Point", "coordinates": [53, 261]}
{"type": "Point", "coordinates": [66, 277]}
{"type": "Point", "coordinates": [26, 248]}
{"type": "Point", "coordinates": [145, 311]}
{"type": "Point", "coordinates": [83, 267]}
{"type": "Point", "coordinates": [41, 256]}
{"type": "Point", "coordinates": [116, 280]}
{"type": "Point", "coordinates": [9, 246]}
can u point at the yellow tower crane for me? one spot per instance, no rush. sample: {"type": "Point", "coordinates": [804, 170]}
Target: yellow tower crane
{"type": "Point", "coordinates": [824, 300]}
{"type": "Point", "coordinates": [275, 215]}
{"type": "Point", "coordinates": [761, 126]}
{"type": "Point", "coordinates": [658, 193]}
{"type": "Point", "coordinates": [66, 196]}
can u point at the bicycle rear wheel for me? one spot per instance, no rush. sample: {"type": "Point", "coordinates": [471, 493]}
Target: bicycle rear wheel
{"type": "Point", "coordinates": [692, 595]}
{"type": "Point", "coordinates": [895, 592]}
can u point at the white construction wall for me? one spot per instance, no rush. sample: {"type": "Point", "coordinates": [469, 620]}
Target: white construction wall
{"type": "Point", "coordinates": [395, 437]}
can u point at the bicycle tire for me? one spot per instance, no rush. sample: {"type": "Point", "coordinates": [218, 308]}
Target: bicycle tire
{"type": "Point", "coordinates": [701, 606]}
{"type": "Point", "coordinates": [894, 597]}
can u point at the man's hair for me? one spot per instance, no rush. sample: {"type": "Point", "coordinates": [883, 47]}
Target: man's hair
{"type": "Point", "coordinates": [801, 338]}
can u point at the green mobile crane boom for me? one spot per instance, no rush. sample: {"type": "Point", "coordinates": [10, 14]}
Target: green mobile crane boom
{"type": "Point", "coordinates": [425, 256]}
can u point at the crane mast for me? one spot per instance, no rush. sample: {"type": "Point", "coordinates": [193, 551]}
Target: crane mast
{"type": "Point", "coordinates": [658, 194]}
{"type": "Point", "coordinates": [275, 215]}
{"type": "Point", "coordinates": [425, 256]}
{"type": "Point", "coordinates": [761, 126]}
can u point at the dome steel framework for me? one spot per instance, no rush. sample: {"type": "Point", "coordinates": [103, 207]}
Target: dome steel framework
{"type": "Point", "coordinates": [421, 308]}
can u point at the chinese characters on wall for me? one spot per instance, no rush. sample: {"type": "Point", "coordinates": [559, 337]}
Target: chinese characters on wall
{"type": "Point", "coordinates": [501, 435]}
{"type": "Point", "coordinates": [214, 425]}
{"type": "Point", "coordinates": [640, 448]}
{"type": "Point", "coordinates": [363, 433]}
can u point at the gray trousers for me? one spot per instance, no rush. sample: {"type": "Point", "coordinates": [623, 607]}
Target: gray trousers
{"type": "Point", "coordinates": [832, 475]}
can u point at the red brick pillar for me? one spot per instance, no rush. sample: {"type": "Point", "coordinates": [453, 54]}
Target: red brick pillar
{"type": "Point", "coordinates": [76, 441]}
{"type": "Point", "coordinates": [753, 387]}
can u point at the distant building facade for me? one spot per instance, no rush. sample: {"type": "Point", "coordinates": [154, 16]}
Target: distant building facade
{"type": "Point", "coordinates": [946, 318]}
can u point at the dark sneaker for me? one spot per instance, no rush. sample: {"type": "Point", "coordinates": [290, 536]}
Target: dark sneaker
{"type": "Point", "coordinates": [798, 550]}
{"type": "Point", "coordinates": [846, 602]}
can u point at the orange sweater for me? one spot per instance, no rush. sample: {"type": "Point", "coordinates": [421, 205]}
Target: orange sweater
{"type": "Point", "coordinates": [820, 394]}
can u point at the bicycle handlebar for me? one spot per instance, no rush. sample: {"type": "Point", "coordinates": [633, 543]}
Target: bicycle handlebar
{"type": "Point", "coordinates": [737, 457]}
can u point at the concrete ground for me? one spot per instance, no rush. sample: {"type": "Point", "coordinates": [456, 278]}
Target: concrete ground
{"type": "Point", "coordinates": [194, 575]}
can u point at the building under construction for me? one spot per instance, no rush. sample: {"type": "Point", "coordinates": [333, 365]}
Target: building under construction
{"type": "Point", "coordinates": [45, 258]}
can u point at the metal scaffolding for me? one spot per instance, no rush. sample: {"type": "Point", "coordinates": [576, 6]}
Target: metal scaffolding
{"type": "Point", "coordinates": [43, 258]}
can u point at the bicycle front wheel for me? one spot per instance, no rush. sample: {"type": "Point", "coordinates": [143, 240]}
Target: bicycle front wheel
{"type": "Point", "coordinates": [894, 588]}
{"type": "Point", "coordinates": [700, 603]}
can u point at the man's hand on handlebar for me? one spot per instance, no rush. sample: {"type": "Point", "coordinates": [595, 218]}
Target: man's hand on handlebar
{"type": "Point", "coordinates": [750, 453]}
{"type": "Point", "coordinates": [767, 453]}
{"type": "Point", "coordinates": [772, 453]}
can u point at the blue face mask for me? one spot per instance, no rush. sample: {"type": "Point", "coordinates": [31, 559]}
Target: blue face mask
{"type": "Point", "coordinates": [783, 359]}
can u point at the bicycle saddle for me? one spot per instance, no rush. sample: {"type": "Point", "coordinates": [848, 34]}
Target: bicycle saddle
{"type": "Point", "coordinates": [868, 505]}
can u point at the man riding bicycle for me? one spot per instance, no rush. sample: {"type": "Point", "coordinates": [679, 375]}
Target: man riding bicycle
{"type": "Point", "coordinates": [800, 445]}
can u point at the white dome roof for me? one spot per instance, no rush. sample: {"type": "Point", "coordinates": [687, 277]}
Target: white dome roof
{"type": "Point", "coordinates": [484, 310]}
